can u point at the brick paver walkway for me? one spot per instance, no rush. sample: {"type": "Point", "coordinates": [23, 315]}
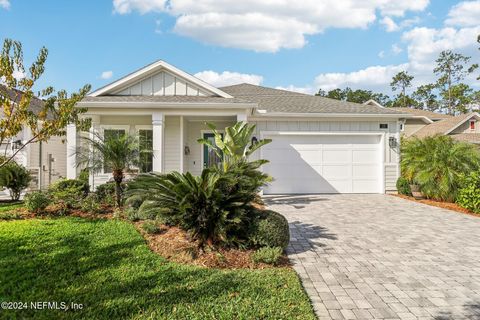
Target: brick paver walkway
{"type": "Point", "coordinates": [382, 257]}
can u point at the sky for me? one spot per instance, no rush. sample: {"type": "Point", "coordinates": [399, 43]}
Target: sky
{"type": "Point", "coordinates": [298, 45]}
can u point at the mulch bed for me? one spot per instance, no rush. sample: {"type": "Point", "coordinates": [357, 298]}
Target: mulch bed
{"type": "Point", "coordinates": [439, 204]}
{"type": "Point", "coordinates": [175, 245]}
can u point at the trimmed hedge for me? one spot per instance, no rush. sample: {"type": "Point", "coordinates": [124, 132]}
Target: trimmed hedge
{"type": "Point", "coordinates": [269, 229]}
{"type": "Point", "coordinates": [36, 201]}
{"type": "Point", "coordinates": [468, 195]}
{"type": "Point", "coordinates": [403, 186]}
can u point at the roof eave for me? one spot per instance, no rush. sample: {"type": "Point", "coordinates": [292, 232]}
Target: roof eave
{"type": "Point", "coordinates": [152, 104]}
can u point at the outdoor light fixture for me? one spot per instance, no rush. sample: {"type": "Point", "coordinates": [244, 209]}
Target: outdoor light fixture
{"type": "Point", "coordinates": [254, 140]}
{"type": "Point", "coordinates": [17, 144]}
{"type": "Point", "coordinates": [392, 142]}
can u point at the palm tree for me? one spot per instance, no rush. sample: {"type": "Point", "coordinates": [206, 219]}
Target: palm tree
{"type": "Point", "coordinates": [437, 164]}
{"type": "Point", "coordinates": [116, 153]}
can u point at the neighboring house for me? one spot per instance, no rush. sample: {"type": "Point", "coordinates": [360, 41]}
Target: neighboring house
{"type": "Point", "coordinates": [464, 127]}
{"type": "Point", "coordinates": [46, 161]}
{"type": "Point", "coordinates": [319, 145]}
{"type": "Point", "coordinates": [419, 119]}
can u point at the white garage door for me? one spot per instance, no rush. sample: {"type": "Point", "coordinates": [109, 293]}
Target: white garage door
{"type": "Point", "coordinates": [324, 164]}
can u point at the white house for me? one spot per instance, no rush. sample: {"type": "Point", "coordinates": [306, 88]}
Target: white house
{"type": "Point", "coordinates": [319, 145]}
{"type": "Point", "coordinates": [46, 161]}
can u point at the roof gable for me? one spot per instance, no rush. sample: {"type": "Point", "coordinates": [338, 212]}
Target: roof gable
{"type": "Point", "coordinates": [159, 79]}
{"type": "Point", "coordinates": [445, 126]}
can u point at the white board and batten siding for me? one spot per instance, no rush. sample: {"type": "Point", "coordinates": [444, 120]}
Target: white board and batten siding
{"type": "Point", "coordinates": [357, 166]}
{"type": "Point", "coordinates": [162, 84]}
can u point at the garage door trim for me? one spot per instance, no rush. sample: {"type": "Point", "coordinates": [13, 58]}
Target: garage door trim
{"type": "Point", "coordinates": [265, 134]}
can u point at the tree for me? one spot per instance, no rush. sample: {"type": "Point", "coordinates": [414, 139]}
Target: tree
{"type": "Point", "coordinates": [451, 69]}
{"type": "Point", "coordinates": [402, 81]}
{"type": "Point", "coordinates": [461, 97]}
{"type": "Point", "coordinates": [426, 97]}
{"type": "Point", "coordinates": [358, 96]}
{"type": "Point", "coordinates": [119, 154]}
{"type": "Point", "coordinates": [16, 96]}
{"type": "Point", "coordinates": [15, 178]}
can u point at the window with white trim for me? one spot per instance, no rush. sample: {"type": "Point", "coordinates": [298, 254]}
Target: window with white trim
{"type": "Point", "coordinates": [145, 137]}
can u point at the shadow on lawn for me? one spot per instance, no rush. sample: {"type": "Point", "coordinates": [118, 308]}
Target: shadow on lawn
{"type": "Point", "coordinates": [111, 280]}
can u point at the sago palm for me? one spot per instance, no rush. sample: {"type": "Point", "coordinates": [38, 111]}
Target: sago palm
{"type": "Point", "coordinates": [437, 163]}
{"type": "Point", "coordinates": [119, 154]}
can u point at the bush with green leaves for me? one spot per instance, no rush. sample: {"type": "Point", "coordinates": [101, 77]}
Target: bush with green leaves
{"type": "Point", "coordinates": [150, 227]}
{"type": "Point", "coordinates": [68, 193]}
{"type": "Point", "coordinates": [106, 193]}
{"type": "Point", "coordinates": [269, 229]}
{"type": "Point", "coordinates": [90, 204]}
{"type": "Point", "coordinates": [269, 255]}
{"type": "Point", "coordinates": [403, 186]}
{"type": "Point", "coordinates": [36, 201]}
{"type": "Point", "coordinates": [15, 178]}
{"type": "Point", "coordinates": [437, 164]}
{"type": "Point", "coordinates": [468, 195]}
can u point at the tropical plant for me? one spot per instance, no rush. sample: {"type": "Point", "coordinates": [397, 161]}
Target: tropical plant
{"type": "Point", "coordinates": [15, 178]}
{"type": "Point", "coordinates": [118, 153]}
{"type": "Point", "coordinates": [468, 196]}
{"type": "Point", "coordinates": [269, 229]}
{"type": "Point", "coordinates": [437, 163]}
{"type": "Point", "coordinates": [236, 144]}
{"type": "Point", "coordinates": [199, 203]}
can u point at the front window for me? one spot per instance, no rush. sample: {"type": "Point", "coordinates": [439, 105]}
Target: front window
{"type": "Point", "coordinates": [146, 146]}
{"type": "Point", "coordinates": [111, 134]}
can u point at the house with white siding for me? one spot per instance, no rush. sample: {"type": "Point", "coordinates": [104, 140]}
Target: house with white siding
{"type": "Point", "coordinates": [319, 145]}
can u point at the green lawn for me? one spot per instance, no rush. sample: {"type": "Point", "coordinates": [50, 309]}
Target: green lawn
{"type": "Point", "coordinates": [106, 266]}
{"type": "Point", "coordinates": [7, 206]}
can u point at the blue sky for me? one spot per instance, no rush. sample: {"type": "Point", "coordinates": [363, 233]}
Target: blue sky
{"type": "Point", "coordinates": [299, 46]}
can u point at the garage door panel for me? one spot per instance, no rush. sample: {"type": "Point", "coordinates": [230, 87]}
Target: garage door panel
{"type": "Point", "coordinates": [337, 156]}
{"type": "Point", "coordinates": [323, 164]}
{"type": "Point", "coordinates": [365, 156]}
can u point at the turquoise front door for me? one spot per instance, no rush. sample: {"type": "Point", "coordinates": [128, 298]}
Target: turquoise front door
{"type": "Point", "coordinates": [210, 158]}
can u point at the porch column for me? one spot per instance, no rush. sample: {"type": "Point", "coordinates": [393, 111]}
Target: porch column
{"type": "Point", "coordinates": [242, 117]}
{"type": "Point", "coordinates": [71, 151]}
{"type": "Point", "coordinates": [93, 135]}
{"type": "Point", "coordinates": [158, 120]}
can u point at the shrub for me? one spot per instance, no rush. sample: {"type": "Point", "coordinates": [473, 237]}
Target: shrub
{"type": "Point", "coordinates": [150, 227]}
{"type": "Point", "coordinates": [437, 164]}
{"type": "Point", "coordinates": [269, 229]}
{"type": "Point", "coordinates": [267, 255]}
{"type": "Point", "coordinates": [106, 193]}
{"type": "Point", "coordinates": [15, 178]}
{"type": "Point", "coordinates": [468, 195]}
{"type": "Point", "coordinates": [90, 204]}
{"type": "Point", "coordinates": [131, 214]}
{"type": "Point", "coordinates": [36, 201]}
{"type": "Point", "coordinates": [403, 186]}
{"type": "Point", "coordinates": [68, 193]}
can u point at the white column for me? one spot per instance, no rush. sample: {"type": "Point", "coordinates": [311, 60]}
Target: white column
{"type": "Point", "coordinates": [71, 151]}
{"type": "Point", "coordinates": [242, 117]}
{"type": "Point", "coordinates": [93, 135]}
{"type": "Point", "coordinates": [158, 119]}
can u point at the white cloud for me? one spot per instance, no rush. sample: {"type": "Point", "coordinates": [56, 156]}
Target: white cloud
{"type": "Point", "coordinates": [381, 54]}
{"type": "Point", "coordinates": [464, 14]}
{"type": "Point", "coordinates": [390, 25]}
{"type": "Point", "coordinates": [5, 4]}
{"type": "Point", "coordinates": [106, 74]}
{"type": "Point", "coordinates": [267, 25]}
{"type": "Point", "coordinates": [142, 6]}
{"type": "Point", "coordinates": [306, 89]}
{"type": "Point", "coordinates": [396, 49]}
{"type": "Point", "coordinates": [227, 78]}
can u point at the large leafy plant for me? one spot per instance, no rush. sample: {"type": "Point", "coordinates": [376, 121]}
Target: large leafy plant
{"type": "Point", "coordinates": [120, 154]}
{"type": "Point", "coordinates": [15, 178]}
{"type": "Point", "coordinates": [469, 194]}
{"type": "Point", "coordinates": [437, 164]}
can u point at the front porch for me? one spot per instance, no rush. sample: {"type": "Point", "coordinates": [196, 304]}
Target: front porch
{"type": "Point", "coordinates": [172, 138]}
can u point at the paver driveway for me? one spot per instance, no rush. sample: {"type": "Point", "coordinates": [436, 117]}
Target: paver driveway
{"type": "Point", "coordinates": [379, 256]}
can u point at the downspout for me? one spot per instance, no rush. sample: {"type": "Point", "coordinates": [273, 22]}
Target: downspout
{"type": "Point", "coordinates": [40, 164]}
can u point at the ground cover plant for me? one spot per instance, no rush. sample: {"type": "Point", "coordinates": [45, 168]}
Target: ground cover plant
{"type": "Point", "coordinates": [106, 266]}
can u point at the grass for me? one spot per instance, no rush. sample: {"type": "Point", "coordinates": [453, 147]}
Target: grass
{"type": "Point", "coordinates": [7, 206]}
{"type": "Point", "coordinates": [106, 266]}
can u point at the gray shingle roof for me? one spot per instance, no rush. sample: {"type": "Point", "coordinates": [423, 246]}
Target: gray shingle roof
{"type": "Point", "coordinates": [442, 126]}
{"type": "Point", "coordinates": [283, 101]}
{"type": "Point", "coordinates": [425, 113]}
{"type": "Point", "coordinates": [36, 104]}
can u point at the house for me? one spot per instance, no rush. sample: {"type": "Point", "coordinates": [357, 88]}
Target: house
{"type": "Point", "coordinates": [319, 145]}
{"type": "Point", "coordinates": [46, 161]}
{"type": "Point", "coordinates": [423, 123]}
